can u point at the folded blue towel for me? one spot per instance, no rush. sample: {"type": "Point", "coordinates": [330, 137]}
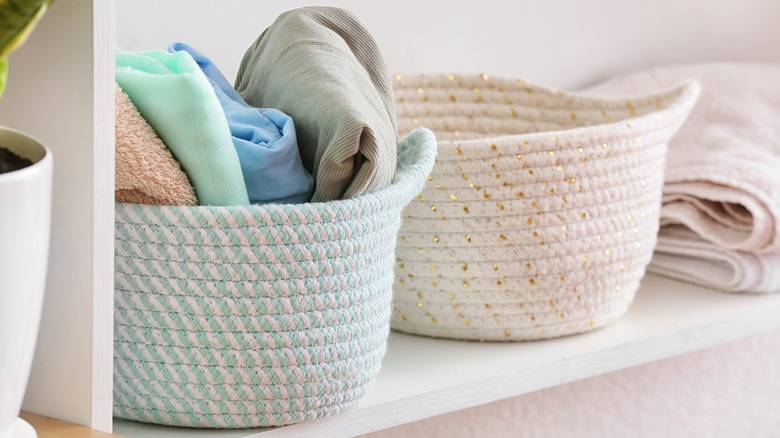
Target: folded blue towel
{"type": "Point", "coordinates": [264, 139]}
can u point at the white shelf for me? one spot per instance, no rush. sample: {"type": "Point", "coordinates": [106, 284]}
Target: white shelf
{"type": "Point", "coordinates": [423, 377]}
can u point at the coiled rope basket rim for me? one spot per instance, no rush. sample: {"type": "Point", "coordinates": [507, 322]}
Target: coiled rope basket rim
{"type": "Point", "coordinates": [236, 317]}
{"type": "Point", "coordinates": [541, 213]}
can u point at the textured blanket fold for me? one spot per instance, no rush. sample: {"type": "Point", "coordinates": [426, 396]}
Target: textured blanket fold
{"type": "Point", "coordinates": [722, 180]}
{"type": "Point", "coordinates": [320, 66]}
{"type": "Point", "coordinates": [683, 255]}
{"type": "Point", "coordinates": [264, 139]}
{"type": "Point", "coordinates": [145, 171]}
{"type": "Point", "coordinates": [177, 100]}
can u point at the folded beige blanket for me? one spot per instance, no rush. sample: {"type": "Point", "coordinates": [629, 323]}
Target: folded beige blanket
{"type": "Point", "coordinates": [722, 179]}
{"type": "Point", "coordinates": [146, 172]}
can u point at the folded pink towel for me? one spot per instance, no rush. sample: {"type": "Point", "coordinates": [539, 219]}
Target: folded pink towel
{"type": "Point", "coordinates": [722, 180]}
{"type": "Point", "coordinates": [146, 172]}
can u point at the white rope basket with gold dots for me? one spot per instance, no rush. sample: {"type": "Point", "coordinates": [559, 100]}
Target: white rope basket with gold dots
{"type": "Point", "coordinates": [542, 209]}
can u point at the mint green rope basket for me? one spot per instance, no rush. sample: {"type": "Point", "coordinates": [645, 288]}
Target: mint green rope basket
{"type": "Point", "coordinates": [234, 317]}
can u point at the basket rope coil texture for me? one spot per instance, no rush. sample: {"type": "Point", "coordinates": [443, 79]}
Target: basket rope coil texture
{"type": "Point", "coordinates": [541, 212]}
{"type": "Point", "coordinates": [233, 317]}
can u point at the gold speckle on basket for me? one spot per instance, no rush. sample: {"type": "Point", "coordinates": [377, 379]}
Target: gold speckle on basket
{"type": "Point", "coordinates": [528, 265]}
{"type": "Point", "coordinates": [464, 266]}
{"type": "Point", "coordinates": [534, 205]}
{"type": "Point", "coordinates": [402, 280]}
{"type": "Point", "coordinates": [465, 284]}
{"type": "Point", "coordinates": [433, 320]}
{"type": "Point", "coordinates": [466, 209]}
{"type": "Point", "coordinates": [532, 281]}
{"type": "Point", "coordinates": [604, 145]}
{"type": "Point", "coordinates": [468, 238]}
{"type": "Point", "coordinates": [521, 194]}
{"type": "Point", "coordinates": [475, 90]}
{"type": "Point", "coordinates": [433, 208]}
{"type": "Point", "coordinates": [525, 141]}
{"type": "Point", "coordinates": [435, 239]}
{"type": "Point", "coordinates": [502, 236]}
{"type": "Point", "coordinates": [519, 156]}
{"type": "Point", "coordinates": [419, 295]}
{"type": "Point", "coordinates": [451, 77]}
{"type": "Point", "coordinates": [398, 77]}
{"type": "Point", "coordinates": [507, 333]}
{"type": "Point", "coordinates": [434, 283]}
{"type": "Point", "coordinates": [466, 321]}
{"type": "Point", "coordinates": [456, 133]}
{"type": "Point", "coordinates": [458, 151]}
{"type": "Point", "coordinates": [573, 116]}
{"type": "Point", "coordinates": [420, 250]}
{"type": "Point", "coordinates": [420, 197]}
{"type": "Point", "coordinates": [585, 258]}
{"type": "Point", "coordinates": [453, 98]}
{"type": "Point", "coordinates": [487, 195]}
{"type": "Point", "coordinates": [416, 121]}
{"type": "Point", "coordinates": [630, 107]}
{"type": "Point", "coordinates": [494, 147]}
{"type": "Point", "coordinates": [584, 215]}
{"type": "Point", "coordinates": [484, 77]}
{"type": "Point", "coordinates": [551, 153]}
{"type": "Point", "coordinates": [579, 149]}
{"type": "Point", "coordinates": [453, 197]}
{"type": "Point", "coordinates": [420, 91]}
{"type": "Point", "coordinates": [403, 318]}
{"type": "Point", "coordinates": [530, 221]}
{"type": "Point", "coordinates": [420, 305]}
{"type": "Point", "coordinates": [607, 252]}
{"type": "Point", "coordinates": [501, 206]}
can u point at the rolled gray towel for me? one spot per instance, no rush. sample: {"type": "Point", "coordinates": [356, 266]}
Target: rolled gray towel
{"type": "Point", "coordinates": [322, 67]}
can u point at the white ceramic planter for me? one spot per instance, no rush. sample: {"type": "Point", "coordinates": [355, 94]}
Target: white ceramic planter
{"type": "Point", "coordinates": [25, 217]}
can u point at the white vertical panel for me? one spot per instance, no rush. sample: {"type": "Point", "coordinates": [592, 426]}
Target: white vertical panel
{"type": "Point", "coordinates": [103, 216]}
{"type": "Point", "coordinates": [57, 91]}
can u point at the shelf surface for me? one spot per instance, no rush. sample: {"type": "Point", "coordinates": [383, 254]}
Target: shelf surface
{"type": "Point", "coordinates": [423, 377]}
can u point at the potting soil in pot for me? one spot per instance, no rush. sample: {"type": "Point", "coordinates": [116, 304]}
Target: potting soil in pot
{"type": "Point", "coordinates": [9, 161]}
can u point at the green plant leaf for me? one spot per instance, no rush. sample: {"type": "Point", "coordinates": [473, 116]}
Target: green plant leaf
{"type": "Point", "coordinates": [17, 19]}
{"type": "Point", "coordinates": [3, 75]}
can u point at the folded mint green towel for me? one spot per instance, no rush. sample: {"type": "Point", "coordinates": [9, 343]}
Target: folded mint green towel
{"type": "Point", "coordinates": [176, 98]}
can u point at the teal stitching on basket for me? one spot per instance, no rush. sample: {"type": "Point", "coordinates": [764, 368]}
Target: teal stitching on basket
{"type": "Point", "coordinates": [257, 316]}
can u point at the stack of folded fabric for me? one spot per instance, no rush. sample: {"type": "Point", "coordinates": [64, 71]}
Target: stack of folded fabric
{"type": "Point", "coordinates": [721, 211]}
{"type": "Point", "coordinates": [233, 145]}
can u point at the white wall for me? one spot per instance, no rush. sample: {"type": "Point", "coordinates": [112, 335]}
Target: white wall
{"type": "Point", "coordinates": [568, 44]}
{"type": "Point", "coordinates": [562, 43]}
